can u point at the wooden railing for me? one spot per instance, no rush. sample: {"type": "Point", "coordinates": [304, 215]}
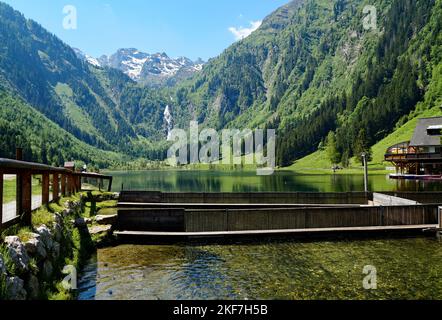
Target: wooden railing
{"type": "Point", "coordinates": [412, 156]}
{"type": "Point", "coordinates": [64, 182]}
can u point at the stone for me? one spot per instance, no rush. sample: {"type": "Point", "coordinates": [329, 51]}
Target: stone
{"type": "Point", "coordinates": [47, 269]}
{"type": "Point", "coordinates": [82, 222]}
{"type": "Point", "coordinates": [100, 229]}
{"type": "Point", "coordinates": [15, 287]}
{"type": "Point", "coordinates": [106, 220]}
{"type": "Point", "coordinates": [18, 253]}
{"type": "Point", "coordinates": [58, 218]}
{"type": "Point", "coordinates": [35, 247]}
{"type": "Point", "coordinates": [67, 212]}
{"type": "Point", "coordinates": [33, 287]}
{"type": "Point", "coordinates": [3, 269]}
{"type": "Point", "coordinates": [55, 251]}
{"type": "Point", "coordinates": [58, 232]}
{"type": "Point", "coordinates": [46, 237]}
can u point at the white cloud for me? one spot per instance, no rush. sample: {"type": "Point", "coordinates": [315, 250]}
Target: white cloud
{"type": "Point", "coordinates": [241, 32]}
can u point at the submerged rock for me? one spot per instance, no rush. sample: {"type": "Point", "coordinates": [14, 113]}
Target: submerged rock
{"type": "Point", "coordinates": [18, 253]}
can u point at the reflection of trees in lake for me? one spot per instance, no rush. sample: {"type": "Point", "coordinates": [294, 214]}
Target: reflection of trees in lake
{"type": "Point", "coordinates": [248, 181]}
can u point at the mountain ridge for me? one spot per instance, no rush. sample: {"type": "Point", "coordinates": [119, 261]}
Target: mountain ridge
{"type": "Point", "coordinates": [150, 69]}
{"type": "Point", "coordinates": [310, 69]}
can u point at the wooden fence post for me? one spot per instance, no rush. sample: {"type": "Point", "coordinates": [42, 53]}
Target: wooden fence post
{"type": "Point", "coordinates": [63, 185]}
{"type": "Point", "coordinates": [439, 215]}
{"type": "Point", "coordinates": [45, 189]}
{"type": "Point", "coordinates": [18, 184]}
{"type": "Point", "coordinates": [1, 199]}
{"type": "Point", "coordinates": [26, 198]}
{"type": "Point", "coordinates": [69, 185]}
{"type": "Point", "coordinates": [55, 187]}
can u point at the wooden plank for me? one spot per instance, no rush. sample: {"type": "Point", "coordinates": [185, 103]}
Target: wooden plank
{"type": "Point", "coordinates": [274, 232]}
{"type": "Point", "coordinates": [55, 187]}
{"type": "Point", "coordinates": [45, 189]}
{"type": "Point", "coordinates": [26, 198]}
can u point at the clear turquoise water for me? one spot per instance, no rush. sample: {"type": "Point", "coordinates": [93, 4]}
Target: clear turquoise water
{"type": "Point", "coordinates": [406, 268]}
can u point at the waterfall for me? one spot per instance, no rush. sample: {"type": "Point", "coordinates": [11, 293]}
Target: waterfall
{"type": "Point", "coordinates": [168, 121]}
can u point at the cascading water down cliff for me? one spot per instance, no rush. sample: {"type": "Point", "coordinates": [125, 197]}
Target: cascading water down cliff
{"type": "Point", "coordinates": [168, 121]}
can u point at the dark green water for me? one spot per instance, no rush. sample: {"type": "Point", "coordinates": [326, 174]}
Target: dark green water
{"type": "Point", "coordinates": [406, 268]}
{"type": "Point", "coordinates": [281, 181]}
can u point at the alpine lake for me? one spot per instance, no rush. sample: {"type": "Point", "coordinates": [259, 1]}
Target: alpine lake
{"type": "Point", "coordinates": [406, 268]}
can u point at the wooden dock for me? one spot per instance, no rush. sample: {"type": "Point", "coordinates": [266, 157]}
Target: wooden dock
{"type": "Point", "coordinates": [162, 216]}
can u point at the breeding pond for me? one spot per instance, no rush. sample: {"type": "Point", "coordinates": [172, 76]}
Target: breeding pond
{"type": "Point", "coordinates": [406, 268]}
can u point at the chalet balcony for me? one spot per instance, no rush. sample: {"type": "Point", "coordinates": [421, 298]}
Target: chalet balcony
{"type": "Point", "coordinates": [404, 157]}
{"type": "Point", "coordinates": [403, 152]}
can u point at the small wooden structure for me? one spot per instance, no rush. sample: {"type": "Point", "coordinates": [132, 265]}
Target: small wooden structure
{"type": "Point", "coordinates": [181, 215]}
{"type": "Point", "coordinates": [64, 182]}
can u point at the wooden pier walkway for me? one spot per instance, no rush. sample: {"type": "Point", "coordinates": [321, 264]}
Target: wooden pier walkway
{"type": "Point", "coordinates": [166, 215]}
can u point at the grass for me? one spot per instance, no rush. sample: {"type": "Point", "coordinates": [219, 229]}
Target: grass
{"type": "Point", "coordinates": [42, 217]}
{"type": "Point", "coordinates": [24, 234]}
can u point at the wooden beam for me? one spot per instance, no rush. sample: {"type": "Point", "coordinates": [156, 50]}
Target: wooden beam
{"type": "Point", "coordinates": [45, 188]}
{"type": "Point", "coordinates": [26, 198]}
{"type": "Point", "coordinates": [55, 187]}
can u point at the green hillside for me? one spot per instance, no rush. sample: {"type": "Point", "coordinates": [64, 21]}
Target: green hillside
{"type": "Point", "coordinates": [310, 69]}
{"type": "Point", "coordinates": [43, 140]}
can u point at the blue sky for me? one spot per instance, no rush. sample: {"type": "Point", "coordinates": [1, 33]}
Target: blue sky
{"type": "Point", "coordinates": [192, 28]}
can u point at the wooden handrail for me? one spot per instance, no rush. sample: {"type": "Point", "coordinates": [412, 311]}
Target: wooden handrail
{"type": "Point", "coordinates": [63, 179]}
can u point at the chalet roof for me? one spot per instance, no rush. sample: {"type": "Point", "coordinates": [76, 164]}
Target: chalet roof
{"type": "Point", "coordinates": [421, 137]}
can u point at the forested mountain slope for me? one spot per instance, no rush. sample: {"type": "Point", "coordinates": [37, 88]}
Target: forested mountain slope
{"type": "Point", "coordinates": [311, 68]}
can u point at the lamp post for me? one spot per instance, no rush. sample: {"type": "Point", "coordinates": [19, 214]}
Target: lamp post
{"type": "Point", "coordinates": [364, 160]}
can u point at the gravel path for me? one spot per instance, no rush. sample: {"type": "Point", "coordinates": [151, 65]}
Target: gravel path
{"type": "Point", "coordinates": [9, 209]}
